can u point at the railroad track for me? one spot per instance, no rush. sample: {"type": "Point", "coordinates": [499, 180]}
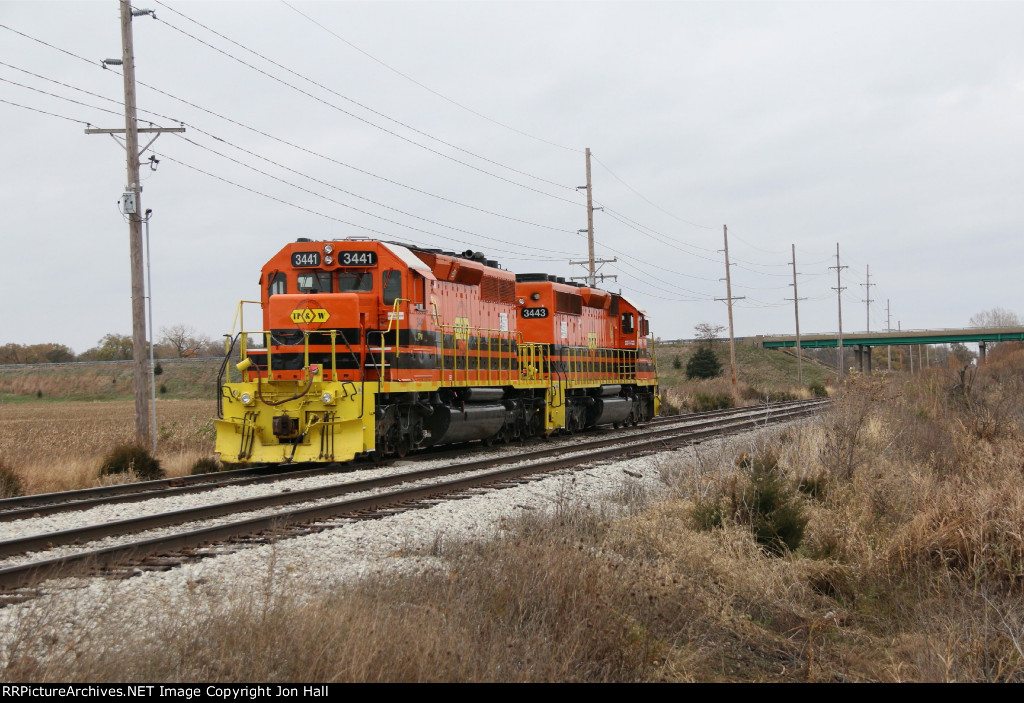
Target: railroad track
{"type": "Point", "coordinates": [340, 503]}
{"type": "Point", "coordinates": [43, 504]}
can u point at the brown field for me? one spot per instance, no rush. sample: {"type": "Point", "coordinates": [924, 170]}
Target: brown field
{"type": "Point", "coordinates": [57, 446]}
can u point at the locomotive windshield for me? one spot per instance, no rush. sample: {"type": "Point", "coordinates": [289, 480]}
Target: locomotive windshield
{"type": "Point", "coordinates": [354, 282]}
{"type": "Point", "coordinates": [314, 282]}
{"type": "Point", "coordinates": [392, 286]}
{"type": "Point", "coordinates": [278, 284]}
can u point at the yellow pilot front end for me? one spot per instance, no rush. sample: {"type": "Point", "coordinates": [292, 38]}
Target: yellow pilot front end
{"type": "Point", "coordinates": [295, 421]}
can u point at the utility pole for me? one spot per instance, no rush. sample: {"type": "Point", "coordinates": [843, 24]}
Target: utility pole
{"type": "Point", "coordinates": [867, 292]}
{"type": "Point", "coordinates": [839, 295]}
{"type": "Point", "coordinates": [131, 204]}
{"type": "Point", "coordinates": [728, 298]}
{"type": "Point", "coordinates": [591, 262]}
{"type": "Point", "coordinates": [888, 328]}
{"type": "Point", "coordinates": [796, 312]}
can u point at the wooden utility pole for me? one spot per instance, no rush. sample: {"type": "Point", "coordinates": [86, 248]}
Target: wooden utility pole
{"type": "Point", "coordinates": [728, 299]}
{"type": "Point", "coordinates": [131, 205]}
{"type": "Point", "coordinates": [868, 301]}
{"type": "Point", "coordinates": [796, 312]}
{"type": "Point", "coordinates": [839, 295]}
{"type": "Point", "coordinates": [591, 262]}
{"type": "Point", "coordinates": [888, 328]}
{"type": "Point", "coordinates": [591, 271]}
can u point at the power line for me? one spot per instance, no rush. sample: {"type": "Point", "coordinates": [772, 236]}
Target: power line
{"type": "Point", "coordinates": [641, 227]}
{"type": "Point", "coordinates": [60, 97]}
{"type": "Point", "coordinates": [251, 153]}
{"type": "Point", "coordinates": [638, 228]}
{"type": "Point", "coordinates": [164, 155]}
{"type": "Point", "coordinates": [44, 112]}
{"type": "Point", "coordinates": [765, 251]}
{"type": "Point", "coordinates": [372, 124]}
{"type": "Point", "coordinates": [342, 190]}
{"type": "Point", "coordinates": [648, 201]}
{"type": "Point", "coordinates": [675, 296]}
{"type": "Point", "coordinates": [288, 168]}
{"type": "Point", "coordinates": [425, 87]}
{"type": "Point", "coordinates": [646, 276]}
{"type": "Point", "coordinates": [61, 83]}
{"type": "Point", "coordinates": [267, 135]}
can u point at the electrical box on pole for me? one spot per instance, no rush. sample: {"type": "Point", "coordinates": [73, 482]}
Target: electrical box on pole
{"type": "Point", "coordinates": [131, 204]}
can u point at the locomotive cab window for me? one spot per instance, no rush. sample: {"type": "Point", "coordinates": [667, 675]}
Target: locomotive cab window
{"type": "Point", "coordinates": [277, 284]}
{"type": "Point", "coordinates": [645, 328]}
{"type": "Point", "coordinates": [314, 282]}
{"type": "Point", "coordinates": [392, 286]}
{"type": "Point", "coordinates": [627, 323]}
{"type": "Point", "coordinates": [354, 282]}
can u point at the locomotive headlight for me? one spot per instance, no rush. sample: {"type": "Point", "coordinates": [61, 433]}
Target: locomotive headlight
{"type": "Point", "coordinates": [328, 260]}
{"type": "Point", "coordinates": [328, 249]}
{"type": "Point", "coordinates": [246, 399]}
{"type": "Point", "coordinates": [327, 399]}
{"type": "Point", "coordinates": [534, 296]}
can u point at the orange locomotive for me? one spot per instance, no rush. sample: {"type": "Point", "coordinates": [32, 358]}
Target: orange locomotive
{"type": "Point", "coordinates": [371, 346]}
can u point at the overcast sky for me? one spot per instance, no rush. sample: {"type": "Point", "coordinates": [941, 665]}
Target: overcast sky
{"type": "Point", "coordinates": [892, 129]}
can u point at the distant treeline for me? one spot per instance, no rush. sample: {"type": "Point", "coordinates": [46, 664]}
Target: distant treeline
{"type": "Point", "coordinates": [177, 342]}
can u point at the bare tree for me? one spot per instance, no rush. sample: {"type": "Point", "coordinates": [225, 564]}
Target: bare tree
{"type": "Point", "coordinates": [996, 317]}
{"type": "Point", "coordinates": [707, 333]}
{"type": "Point", "coordinates": [184, 340]}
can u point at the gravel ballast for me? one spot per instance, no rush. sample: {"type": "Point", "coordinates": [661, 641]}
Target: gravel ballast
{"type": "Point", "coordinates": [318, 563]}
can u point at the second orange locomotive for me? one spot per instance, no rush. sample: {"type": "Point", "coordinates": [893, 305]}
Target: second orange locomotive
{"type": "Point", "coordinates": [371, 346]}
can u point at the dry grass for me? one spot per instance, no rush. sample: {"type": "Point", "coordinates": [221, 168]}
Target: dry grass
{"type": "Point", "coordinates": [911, 568]}
{"type": "Point", "coordinates": [60, 445]}
{"type": "Point", "coordinates": [483, 617]}
{"type": "Point", "coordinates": [191, 380]}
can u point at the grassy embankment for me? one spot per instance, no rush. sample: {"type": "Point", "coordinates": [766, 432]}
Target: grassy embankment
{"type": "Point", "coordinates": [760, 374]}
{"type": "Point", "coordinates": [178, 380]}
{"type": "Point", "coordinates": [904, 506]}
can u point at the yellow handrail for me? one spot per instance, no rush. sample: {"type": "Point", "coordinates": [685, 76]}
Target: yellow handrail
{"type": "Point", "coordinates": [239, 320]}
{"type": "Point", "coordinates": [394, 317]}
{"type": "Point", "coordinates": [472, 355]}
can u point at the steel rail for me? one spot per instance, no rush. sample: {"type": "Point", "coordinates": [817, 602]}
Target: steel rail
{"type": "Point", "coordinates": [42, 504]}
{"type": "Point", "coordinates": [20, 575]}
{"type": "Point", "coordinates": [90, 533]}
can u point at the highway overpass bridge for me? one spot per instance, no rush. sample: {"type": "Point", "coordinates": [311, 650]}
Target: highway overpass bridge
{"type": "Point", "coordinates": [862, 342]}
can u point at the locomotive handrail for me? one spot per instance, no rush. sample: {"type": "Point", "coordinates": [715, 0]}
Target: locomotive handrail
{"type": "Point", "coordinates": [585, 366]}
{"type": "Point", "coordinates": [394, 317]}
{"type": "Point", "coordinates": [238, 319]}
{"type": "Point", "coordinates": [229, 344]}
{"type": "Point", "coordinates": [473, 352]}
